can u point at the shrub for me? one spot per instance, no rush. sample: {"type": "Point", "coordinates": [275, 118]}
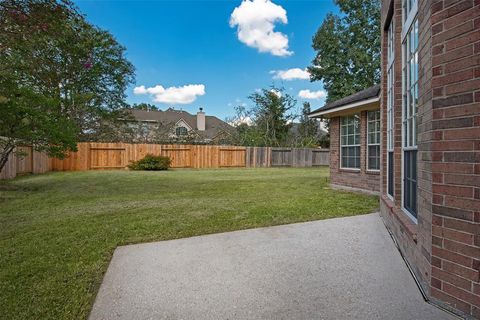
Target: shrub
{"type": "Point", "coordinates": [151, 162]}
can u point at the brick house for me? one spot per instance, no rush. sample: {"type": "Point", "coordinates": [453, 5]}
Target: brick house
{"type": "Point", "coordinates": [354, 140]}
{"type": "Point", "coordinates": [430, 165]}
{"type": "Point", "coordinates": [172, 125]}
{"type": "Point", "coordinates": [430, 145]}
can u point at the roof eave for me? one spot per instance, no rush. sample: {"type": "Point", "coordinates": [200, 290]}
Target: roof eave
{"type": "Point", "coordinates": [355, 105]}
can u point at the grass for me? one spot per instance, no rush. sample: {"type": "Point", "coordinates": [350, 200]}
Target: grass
{"type": "Point", "coordinates": [58, 231]}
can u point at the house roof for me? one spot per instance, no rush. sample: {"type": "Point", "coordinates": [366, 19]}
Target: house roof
{"type": "Point", "coordinates": [213, 125]}
{"type": "Point", "coordinates": [366, 96]}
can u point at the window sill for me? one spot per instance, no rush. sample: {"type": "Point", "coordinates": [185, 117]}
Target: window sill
{"type": "Point", "coordinates": [375, 172]}
{"type": "Point", "coordinates": [410, 216]}
{"type": "Point", "coordinates": [410, 227]}
{"type": "Point", "coordinates": [349, 170]}
{"type": "Point", "coordinates": [390, 197]}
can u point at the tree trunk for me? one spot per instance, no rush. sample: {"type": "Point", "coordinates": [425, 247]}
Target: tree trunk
{"type": "Point", "coordinates": [7, 150]}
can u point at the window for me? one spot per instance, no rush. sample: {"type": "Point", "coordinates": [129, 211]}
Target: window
{"type": "Point", "coordinates": [350, 142]}
{"type": "Point", "coordinates": [410, 105]}
{"type": "Point", "coordinates": [181, 131]}
{"type": "Point", "coordinates": [410, 86]}
{"type": "Point", "coordinates": [409, 9]}
{"type": "Point", "coordinates": [390, 104]}
{"type": "Point", "coordinates": [373, 140]}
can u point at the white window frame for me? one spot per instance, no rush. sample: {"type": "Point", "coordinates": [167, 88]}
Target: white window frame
{"type": "Point", "coordinates": [406, 90]}
{"type": "Point", "coordinates": [390, 86]}
{"type": "Point", "coordinates": [409, 12]}
{"type": "Point", "coordinates": [369, 122]}
{"type": "Point", "coordinates": [390, 100]}
{"type": "Point", "coordinates": [409, 18]}
{"type": "Point", "coordinates": [350, 145]}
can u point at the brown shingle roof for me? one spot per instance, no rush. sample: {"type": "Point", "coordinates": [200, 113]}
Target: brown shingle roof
{"type": "Point", "coordinates": [213, 125]}
{"type": "Point", "coordinates": [366, 94]}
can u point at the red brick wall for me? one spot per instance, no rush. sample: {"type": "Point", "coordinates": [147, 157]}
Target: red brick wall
{"type": "Point", "coordinates": [360, 179]}
{"type": "Point", "coordinates": [455, 154]}
{"type": "Point", "coordinates": [444, 247]}
{"type": "Point", "coordinates": [424, 123]}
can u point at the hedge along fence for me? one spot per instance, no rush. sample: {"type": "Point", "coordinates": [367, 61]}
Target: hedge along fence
{"type": "Point", "coordinates": [100, 156]}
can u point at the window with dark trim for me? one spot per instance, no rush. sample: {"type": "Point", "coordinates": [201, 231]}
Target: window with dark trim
{"type": "Point", "coordinates": [181, 131]}
{"type": "Point", "coordinates": [390, 169]}
{"type": "Point", "coordinates": [350, 142]}
{"type": "Point", "coordinates": [373, 140]}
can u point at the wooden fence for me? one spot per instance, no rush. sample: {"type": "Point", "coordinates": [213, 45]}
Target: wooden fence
{"type": "Point", "coordinates": [100, 156]}
{"type": "Point", "coordinates": [24, 161]}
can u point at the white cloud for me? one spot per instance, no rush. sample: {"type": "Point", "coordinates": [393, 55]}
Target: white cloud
{"type": "Point", "coordinates": [291, 74]}
{"type": "Point", "coordinates": [307, 94]}
{"type": "Point", "coordinates": [140, 90]}
{"type": "Point", "coordinates": [173, 95]}
{"type": "Point", "coordinates": [243, 120]}
{"type": "Point", "coordinates": [255, 21]}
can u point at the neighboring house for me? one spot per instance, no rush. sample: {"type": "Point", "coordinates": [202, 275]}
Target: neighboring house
{"type": "Point", "coordinates": [430, 144]}
{"type": "Point", "coordinates": [354, 140]}
{"type": "Point", "coordinates": [178, 126]}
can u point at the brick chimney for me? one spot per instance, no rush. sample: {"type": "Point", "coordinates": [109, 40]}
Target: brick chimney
{"type": "Point", "coordinates": [201, 120]}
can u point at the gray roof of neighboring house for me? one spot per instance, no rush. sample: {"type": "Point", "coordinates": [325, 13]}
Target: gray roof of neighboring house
{"type": "Point", "coordinates": [213, 125]}
{"type": "Point", "coordinates": [366, 94]}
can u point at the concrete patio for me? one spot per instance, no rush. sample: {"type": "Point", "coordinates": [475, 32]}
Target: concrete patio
{"type": "Point", "coordinates": [345, 268]}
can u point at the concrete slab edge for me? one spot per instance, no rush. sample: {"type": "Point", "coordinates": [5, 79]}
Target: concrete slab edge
{"type": "Point", "coordinates": [252, 228]}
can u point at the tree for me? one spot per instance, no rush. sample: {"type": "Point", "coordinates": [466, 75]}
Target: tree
{"type": "Point", "coordinates": [144, 106]}
{"type": "Point", "coordinates": [308, 127]}
{"type": "Point", "coordinates": [272, 116]}
{"type": "Point", "coordinates": [348, 49]}
{"type": "Point", "coordinates": [267, 122]}
{"type": "Point", "coordinates": [38, 124]}
{"type": "Point", "coordinates": [244, 133]}
{"type": "Point", "coordinates": [61, 79]}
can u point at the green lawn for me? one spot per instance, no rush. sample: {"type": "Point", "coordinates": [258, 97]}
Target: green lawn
{"type": "Point", "coordinates": [58, 231]}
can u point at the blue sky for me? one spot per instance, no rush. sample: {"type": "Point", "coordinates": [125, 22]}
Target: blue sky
{"type": "Point", "coordinates": [198, 57]}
